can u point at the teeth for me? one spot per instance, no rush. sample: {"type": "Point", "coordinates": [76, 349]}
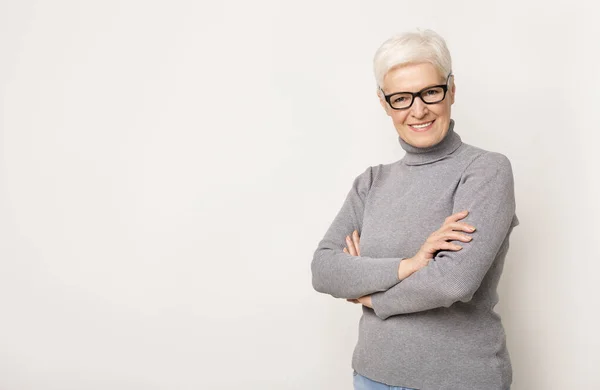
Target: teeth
{"type": "Point", "coordinates": [421, 126]}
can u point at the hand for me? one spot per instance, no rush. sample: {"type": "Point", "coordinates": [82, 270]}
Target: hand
{"type": "Point", "coordinates": [437, 241]}
{"type": "Point", "coordinates": [353, 244]}
{"type": "Point", "coordinates": [366, 300]}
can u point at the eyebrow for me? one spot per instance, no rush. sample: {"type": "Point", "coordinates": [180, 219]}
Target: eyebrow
{"type": "Point", "coordinates": [429, 86]}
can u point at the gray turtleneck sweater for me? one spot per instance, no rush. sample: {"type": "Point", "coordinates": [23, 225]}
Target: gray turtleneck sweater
{"type": "Point", "coordinates": [436, 329]}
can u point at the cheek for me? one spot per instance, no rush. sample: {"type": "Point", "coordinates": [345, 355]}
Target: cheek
{"type": "Point", "coordinates": [440, 112]}
{"type": "Point", "coordinates": [399, 117]}
{"type": "Point", "coordinates": [445, 109]}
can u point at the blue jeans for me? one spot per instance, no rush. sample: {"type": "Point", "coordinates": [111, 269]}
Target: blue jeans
{"type": "Point", "coordinates": [364, 383]}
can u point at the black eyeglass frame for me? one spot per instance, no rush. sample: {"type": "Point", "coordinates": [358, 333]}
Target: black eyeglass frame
{"type": "Point", "coordinates": [418, 94]}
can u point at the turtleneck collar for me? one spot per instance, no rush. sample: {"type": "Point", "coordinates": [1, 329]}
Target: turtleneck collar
{"type": "Point", "coordinates": [420, 156]}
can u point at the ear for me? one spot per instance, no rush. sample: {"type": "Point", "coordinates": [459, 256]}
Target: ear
{"type": "Point", "coordinates": [452, 91]}
{"type": "Point", "coordinates": [383, 103]}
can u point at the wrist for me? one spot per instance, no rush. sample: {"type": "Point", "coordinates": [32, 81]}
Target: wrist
{"type": "Point", "coordinates": [405, 268]}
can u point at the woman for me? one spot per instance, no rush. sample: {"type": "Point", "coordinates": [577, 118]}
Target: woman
{"type": "Point", "coordinates": [428, 320]}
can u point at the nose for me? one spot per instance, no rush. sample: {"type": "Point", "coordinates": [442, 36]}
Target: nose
{"type": "Point", "coordinates": [419, 108]}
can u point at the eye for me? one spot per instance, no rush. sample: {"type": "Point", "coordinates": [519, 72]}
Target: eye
{"type": "Point", "coordinates": [400, 99]}
{"type": "Point", "coordinates": [432, 92]}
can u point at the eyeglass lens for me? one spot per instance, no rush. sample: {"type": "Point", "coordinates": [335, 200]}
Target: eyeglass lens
{"type": "Point", "coordinates": [431, 95]}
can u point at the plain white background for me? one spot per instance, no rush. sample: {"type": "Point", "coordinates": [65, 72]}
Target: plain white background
{"type": "Point", "coordinates": [168, 169]}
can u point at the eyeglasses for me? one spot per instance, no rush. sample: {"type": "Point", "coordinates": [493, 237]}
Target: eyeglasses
{"type": "Point", "coordinates": [429, 95]}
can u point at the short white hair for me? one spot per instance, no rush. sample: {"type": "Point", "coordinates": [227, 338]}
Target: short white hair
{"type": "Point", "coordinates": [412, 47]}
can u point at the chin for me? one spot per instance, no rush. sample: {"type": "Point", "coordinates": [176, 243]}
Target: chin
{"type": "Point", "coordinates": [425, 139]}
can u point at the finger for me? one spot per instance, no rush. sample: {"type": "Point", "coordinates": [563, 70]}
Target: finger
{"type": "Point", "coordinates": [350, 245]}
{"type": "Point", "coordinates": [459, 226]}
{"type": "Point", "coordinates": [452, 235]}
{"type": "Point", "coordinates": [444, 245]}
{"type": "Point", "coordinates": [345, 249]}
{"type": "Point", "coordinates": [356, 240]}
{"type": "Point", "coordinates": [456, 216]}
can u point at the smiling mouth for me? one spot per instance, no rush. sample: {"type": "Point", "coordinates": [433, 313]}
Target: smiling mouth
{"type": "Point", "coordinates": [422, 126]}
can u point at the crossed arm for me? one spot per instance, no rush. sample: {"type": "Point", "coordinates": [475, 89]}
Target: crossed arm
{"type": "Point", "coordinates": [340, 274]}
{"type": "Point", "coordinates": [486, 190]}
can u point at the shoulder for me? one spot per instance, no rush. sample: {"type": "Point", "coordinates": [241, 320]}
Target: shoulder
{"type": "Point", "coordinates": [362, 183]}
{"type": "Point", "coordinates": [475, 157]}
{"type": "Point", "coordinates": [373, 175]}
{"type": "Point", "coordinates": [481, 162]}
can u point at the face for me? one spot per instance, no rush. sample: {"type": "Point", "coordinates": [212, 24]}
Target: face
{"type": "Point", "coordinates": [422, 125]}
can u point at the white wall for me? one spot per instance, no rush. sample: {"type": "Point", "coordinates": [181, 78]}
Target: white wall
{"type": "Point", "coordinates": [168, 169]}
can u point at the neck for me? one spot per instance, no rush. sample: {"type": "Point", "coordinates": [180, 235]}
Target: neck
{"type": "Point", "coordinates": [420, 156]}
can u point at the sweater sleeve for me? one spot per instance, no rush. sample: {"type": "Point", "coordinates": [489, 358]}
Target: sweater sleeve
{"type": "Point", "coordinates": [340, 274]}
{"type": "Point", "coordinates": [486, 190]}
